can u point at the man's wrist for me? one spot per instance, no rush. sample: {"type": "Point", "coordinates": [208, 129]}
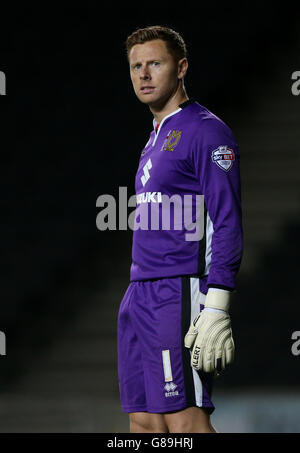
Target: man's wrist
{"type": "Point", "coordinates": [217, 298]}
{"type": "Point", "coordinates": [226, 288]}
{"type": "Point", "coordinates": [215, 310]}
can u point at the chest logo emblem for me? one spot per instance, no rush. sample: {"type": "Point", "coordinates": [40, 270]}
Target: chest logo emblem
{"type": "Point", "coordinates": [146, 169]}
{"type": "Point", "coordinates": [171, 140]}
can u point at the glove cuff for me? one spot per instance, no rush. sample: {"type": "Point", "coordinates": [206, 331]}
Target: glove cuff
{"type": "Point", "coordinates": [217, 298]}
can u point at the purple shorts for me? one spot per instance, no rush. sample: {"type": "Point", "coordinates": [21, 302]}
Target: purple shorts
{"type": "Point", "coordinates": [154, 368]}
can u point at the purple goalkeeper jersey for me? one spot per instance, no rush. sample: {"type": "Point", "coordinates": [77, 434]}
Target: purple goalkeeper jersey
{"type": "Point", "coordinates": [192, 154]}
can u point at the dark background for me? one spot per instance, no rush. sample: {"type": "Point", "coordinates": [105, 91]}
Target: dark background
{"type": "Point", "coordinates": [72, 129]}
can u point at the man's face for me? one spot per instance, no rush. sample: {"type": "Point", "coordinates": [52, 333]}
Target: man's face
{"type": "Point", "coordinates": [153, 71]}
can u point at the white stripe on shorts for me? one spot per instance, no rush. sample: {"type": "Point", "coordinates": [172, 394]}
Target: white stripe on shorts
{"type": "Point", "coordinates": [197, 298]}
{"type": "Point", "coordinates": [167, 365]}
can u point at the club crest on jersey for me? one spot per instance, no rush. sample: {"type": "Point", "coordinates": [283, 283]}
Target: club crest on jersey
{"type": "Point", "coordinates": [223, 157]}
{"type": "Point", "coordinates": [171, 140]}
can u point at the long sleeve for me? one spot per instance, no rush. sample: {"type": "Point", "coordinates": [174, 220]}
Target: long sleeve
{"type": "Point", "coordinates": [217, 164]}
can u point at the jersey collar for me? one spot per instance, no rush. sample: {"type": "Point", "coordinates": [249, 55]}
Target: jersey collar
{"type": "Point", "coordinates": [180, 107]}
{"type": "Point", "coordinates": [164, 119]}
{"type": "Point", "coordinates": [186, 103]}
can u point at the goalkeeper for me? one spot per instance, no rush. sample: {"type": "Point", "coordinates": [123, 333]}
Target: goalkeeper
{"type": "Point", "coordinates": [174, 329]}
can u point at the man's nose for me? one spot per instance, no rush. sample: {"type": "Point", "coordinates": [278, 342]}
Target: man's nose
{"type": "Point", "coordinates": [145, 74]}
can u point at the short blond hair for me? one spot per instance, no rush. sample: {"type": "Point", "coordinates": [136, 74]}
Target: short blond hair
{"type": "Point", "coordinates": [174, 41]}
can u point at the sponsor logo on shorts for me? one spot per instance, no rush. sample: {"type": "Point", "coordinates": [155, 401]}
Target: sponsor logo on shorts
{"type": "Point", "coordinates": [170, 388]}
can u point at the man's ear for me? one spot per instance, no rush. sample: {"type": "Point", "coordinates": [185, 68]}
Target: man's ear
{"type": "Point", "coordinates": [182, 67]}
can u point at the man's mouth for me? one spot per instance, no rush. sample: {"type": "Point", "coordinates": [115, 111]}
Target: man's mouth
{"type": "Point", "coordinates": [147, 89]}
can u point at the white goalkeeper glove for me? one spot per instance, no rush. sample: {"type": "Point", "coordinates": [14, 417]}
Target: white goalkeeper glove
{"type": "Point", "coordinates": [210, 334]}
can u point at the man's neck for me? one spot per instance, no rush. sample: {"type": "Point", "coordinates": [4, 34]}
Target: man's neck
{"type": "Point", "coordinates": [170, 106]}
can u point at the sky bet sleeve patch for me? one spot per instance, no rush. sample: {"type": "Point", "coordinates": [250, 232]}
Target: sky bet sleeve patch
{"type": "Point", "coordinates": [223, 157]}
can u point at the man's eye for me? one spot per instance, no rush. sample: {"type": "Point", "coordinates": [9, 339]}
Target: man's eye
{"type": "Point", "coordinates": [155, 63]}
